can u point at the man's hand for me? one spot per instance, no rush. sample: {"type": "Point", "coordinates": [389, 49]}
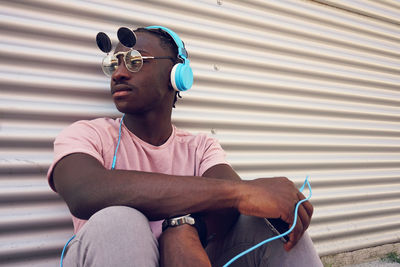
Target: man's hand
{"type": "Point", "coordinates": [180, 246]}
{"type": "Point", "coordinates": [276, 198]}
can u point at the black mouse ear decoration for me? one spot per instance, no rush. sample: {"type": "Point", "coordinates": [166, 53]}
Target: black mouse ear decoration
{"type": "Point", "coordinates": [103, 42]}
{"type": "Point", "coordinates": [126, 37]}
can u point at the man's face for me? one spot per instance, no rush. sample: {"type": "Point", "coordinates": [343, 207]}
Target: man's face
{"type": "Point", "coordinates": [139, 92]}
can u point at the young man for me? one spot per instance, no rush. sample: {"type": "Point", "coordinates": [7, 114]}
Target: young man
{"type": "Point", "coordinates": [164, 173]}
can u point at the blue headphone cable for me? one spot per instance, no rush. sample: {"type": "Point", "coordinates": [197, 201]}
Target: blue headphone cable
{"type": "Point", "coordinates": [119, 140]}
{"type": "Point", "coordinates": [306, 182]}
{"type": "Point", "coordinates": [64, 249]}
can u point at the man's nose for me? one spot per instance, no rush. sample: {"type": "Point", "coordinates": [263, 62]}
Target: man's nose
{"type": "Point", "coordinates": [121, 73]}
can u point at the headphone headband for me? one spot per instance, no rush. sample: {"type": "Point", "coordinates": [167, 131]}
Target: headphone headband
{"type": "Point", "coordinates": [182, 53]}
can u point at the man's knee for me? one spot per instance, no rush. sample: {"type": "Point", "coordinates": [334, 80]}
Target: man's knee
{"type": "Point", "coordinates": [118, 221]}
{"type": "Point", "coordinates": [119, 215]}
{"type": "Point", "coordinates": [112, 237]}
{"type": "Point", "coordinates": [249, 231]}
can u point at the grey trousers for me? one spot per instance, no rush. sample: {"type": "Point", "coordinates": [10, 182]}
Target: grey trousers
{"type": "Point", "coordinates": [121, 236]}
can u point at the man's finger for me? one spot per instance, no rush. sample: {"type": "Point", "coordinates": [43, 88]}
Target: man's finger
{"type": "Point", "coordinates": [294, 235]}
{"type": "Point", "coordinates": [304, 217]}
{"type": "Point", "coordinates": [307, 205]}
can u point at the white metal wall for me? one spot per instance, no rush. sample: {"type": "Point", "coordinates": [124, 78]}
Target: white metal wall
{"type": "Point", "coordinates": [289, 88]}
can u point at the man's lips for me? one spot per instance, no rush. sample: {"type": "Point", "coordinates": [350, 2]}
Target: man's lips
{"type": "Point", "coordinates": [121, 93]}
{"type": "Point", "coordinates": [121, 89]}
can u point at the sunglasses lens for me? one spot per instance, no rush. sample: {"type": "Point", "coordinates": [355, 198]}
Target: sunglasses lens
{"type": "Point", "coordinates": [109, 65]}
{"type": "Point", "coordinates": [133, 61]}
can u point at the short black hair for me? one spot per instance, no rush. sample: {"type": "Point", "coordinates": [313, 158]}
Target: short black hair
{"type": "Point", "coordinates": [166, 41]}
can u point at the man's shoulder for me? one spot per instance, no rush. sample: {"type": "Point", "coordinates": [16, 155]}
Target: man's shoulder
{"type": "Point", "coordinates": [194, 138]}
{"type": "Point", "coordinates": [181, 133]}
{"type": "Point", "coordinates": [97, 123]}
{"type": "Point", "coordinates": [99, 126]}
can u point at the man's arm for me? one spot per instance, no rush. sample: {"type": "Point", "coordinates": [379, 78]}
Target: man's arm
{"type": "Point", "coordinates": [88, 187]}
{"type": "Point", "coordinates": [180, 246]}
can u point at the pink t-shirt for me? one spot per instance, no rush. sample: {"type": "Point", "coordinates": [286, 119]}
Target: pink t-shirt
{"type": "Point", "coordinates": [182, 154]}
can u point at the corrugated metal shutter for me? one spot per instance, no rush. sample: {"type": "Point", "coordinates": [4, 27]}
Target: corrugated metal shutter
{"type": "Point", "coordinates": [289, 88]}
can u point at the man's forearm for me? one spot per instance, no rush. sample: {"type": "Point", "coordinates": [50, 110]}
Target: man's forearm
{"type": "Point", "coordinates": [90, 188]}
{"type": "Point", "coordinates": [159, 195]}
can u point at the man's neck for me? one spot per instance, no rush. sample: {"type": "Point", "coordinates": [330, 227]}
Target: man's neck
{"type": "Point", "coordinates": [151, 129]}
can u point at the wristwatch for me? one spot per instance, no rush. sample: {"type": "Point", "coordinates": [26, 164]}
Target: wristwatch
{"type": "Point", "coordinates": [194, 220]}
{"type": "Point", "coordinates": [176, 221]}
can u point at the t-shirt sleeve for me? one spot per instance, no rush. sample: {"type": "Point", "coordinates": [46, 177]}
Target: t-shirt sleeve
{"type": "Point", "coordinates": [213, 154]}
{"type": "Point", "coordinates": [80, 137]}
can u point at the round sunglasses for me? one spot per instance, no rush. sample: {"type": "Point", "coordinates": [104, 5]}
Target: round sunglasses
{"type": "Point", "coordinates": [132, 58]}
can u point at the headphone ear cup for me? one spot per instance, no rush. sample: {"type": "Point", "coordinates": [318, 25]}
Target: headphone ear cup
{"type": "Point", "coordinates": [182, 76]}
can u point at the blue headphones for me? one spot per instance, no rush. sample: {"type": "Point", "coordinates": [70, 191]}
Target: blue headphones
{"type": "Point", "coordinates": [181, 73]}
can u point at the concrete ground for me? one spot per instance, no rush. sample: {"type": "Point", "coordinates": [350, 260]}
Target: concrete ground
{"type": "Point", "coordinates": [377, 263]}
{"type": "Point", "coordinates": [367, 257]}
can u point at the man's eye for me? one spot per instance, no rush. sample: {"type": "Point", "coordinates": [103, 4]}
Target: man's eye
{"type": "Point", "coordinates": [114, 62]}
{"type": "Point", "coordinates": [136, 62]}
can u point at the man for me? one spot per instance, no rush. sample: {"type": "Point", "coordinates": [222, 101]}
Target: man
{"type": "Point", "coordinates": [162, 172]}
